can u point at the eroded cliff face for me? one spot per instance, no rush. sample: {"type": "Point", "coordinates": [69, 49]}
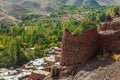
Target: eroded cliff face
{"type": "Point", "coordinates": [79, 49]}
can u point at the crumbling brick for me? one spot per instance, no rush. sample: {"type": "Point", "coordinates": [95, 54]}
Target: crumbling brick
{"type": "Point", "coordinates": [79, 49]}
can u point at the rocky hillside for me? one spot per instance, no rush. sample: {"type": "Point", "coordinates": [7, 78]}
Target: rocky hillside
{"type": "Point", "coordinates": [99, 70]}
{"type": "Point", "coordinates": [69, 2]}
{"type": "Point", "coordinates": [13, 1]}
{"type": "Point", "coordinates": [17, 8]}
{"type": "Point", "coordinates": [90, 3]}
{"type": "Point", "coordinates": [107, 2]}
{"type": "Point", "coordinates": [94, 70]}
{"type": "Point", "coordinates": [40, 6]}
{"type": "Point", "coordinates": [35, 6]}
{"type": "Point", "coordinates": [14, 7]}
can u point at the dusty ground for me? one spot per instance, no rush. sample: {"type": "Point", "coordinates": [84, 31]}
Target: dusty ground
{"type": "Point", "coordinates": [100, 70]}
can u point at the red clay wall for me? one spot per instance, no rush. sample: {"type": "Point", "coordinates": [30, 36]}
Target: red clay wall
{"type": "Point", "coordinates": [111, 25]}
{"type": "Point", "coordinates": [110, 41]}
{"type": "Point", "coordinates": [35, 76]}
{"type": "Point", "coordinates": [79, 49]}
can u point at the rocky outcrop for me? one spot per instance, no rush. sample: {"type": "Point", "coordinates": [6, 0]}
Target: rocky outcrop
{"type": "Point", "coordinates": [79, 49]}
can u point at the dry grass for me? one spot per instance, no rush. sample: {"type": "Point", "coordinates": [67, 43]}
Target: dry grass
{"type": "Point", "coordinates": [116, 57]}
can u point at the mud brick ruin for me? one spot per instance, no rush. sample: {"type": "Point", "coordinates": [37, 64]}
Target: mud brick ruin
{"type": "Point", "coordinates": [79, 49]}
{"type": "Point", "coordinates": [76, 48]}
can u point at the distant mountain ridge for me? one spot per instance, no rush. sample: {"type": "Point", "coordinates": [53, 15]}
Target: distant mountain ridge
{"type": "Point", "coordinates": [18, 7]}
{"type": "Point", "coordinates": [70, 2]}
{"type": "Point", "coordinates": [107, 2]}
{"type": "Point", "coordinates": [91, 2]}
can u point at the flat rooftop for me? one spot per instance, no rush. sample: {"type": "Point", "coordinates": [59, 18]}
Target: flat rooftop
{"type": "Point", "coordinates": [41, 72]}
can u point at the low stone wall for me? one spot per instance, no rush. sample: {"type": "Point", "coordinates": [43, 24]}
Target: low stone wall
{"type": "Point", "coordinates": [79, 49]}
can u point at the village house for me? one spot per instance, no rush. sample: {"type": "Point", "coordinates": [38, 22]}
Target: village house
{"type": "Point", "coordinates": [36, 69]}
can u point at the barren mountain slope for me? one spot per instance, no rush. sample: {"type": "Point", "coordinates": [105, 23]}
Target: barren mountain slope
{"type": "Point", "coordinates": [69, 2]}
{"type": "Point", "coordinates": [39, 6]}
{"type": "Point", "coordinates": [35, 6]}
{"type": "Point", "coordinates": [13, 9]}
{"type": "Point", "coordinates": [90, 3]}
{"type": "Point", "coordinates": [107, 2]}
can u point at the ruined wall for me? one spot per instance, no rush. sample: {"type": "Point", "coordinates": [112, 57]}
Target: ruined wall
{"type": "Point", "coordinates": [110, 41]}
{"type": "Point", "coordinates": [111, 25]}
{"type": "Point", "coordinates": [35, 76]}
{"type": "Point", "coordinates": [79, 49]}
{"type": "Point", "coordinates": [110, 36]}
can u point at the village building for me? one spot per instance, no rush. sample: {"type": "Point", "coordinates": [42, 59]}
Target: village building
{"type": "Point", "coordinates": [39, 74]}
{"type": "Point", "coordinates": [36, 69]}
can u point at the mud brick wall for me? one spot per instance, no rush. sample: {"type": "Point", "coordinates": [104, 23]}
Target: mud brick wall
{"type": "Point", "coordinates": [110, 41]}
{"type": "Point", "coordinates": [79, 49]}
{"type": "Point", "coordinates": [35, 76]}
{"type": "Point", "coordinates": [112, 25]}
{"type": "Point", "coordinates": [115, 26]}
